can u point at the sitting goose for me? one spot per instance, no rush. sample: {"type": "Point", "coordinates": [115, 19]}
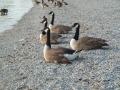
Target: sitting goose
{"type": "Point", "coordinates": [3, 11]}
{"type": "Point", "coordinates": [59, 4]}
{"type": "Point", "coordinates": [51, 1]}
{"type": "Point", "coordinates": [54, 38]}
{"type": "Point", "coordinates": [59, 29]}
{"type": "Point", "coordinates": [36, 2]}
{"type": "Point", "coordinates": [86, 43]}
{"type": "Point", "coordinates": [43, 4]}
{"type": "Point", "coordinates": [58, 55]}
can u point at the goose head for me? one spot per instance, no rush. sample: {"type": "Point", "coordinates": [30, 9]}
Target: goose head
{"type": "Point", "coordinates": [51, 12]}
{"type": "Point", "coordinates": [45, 25]}
{"type": "Point", "coordinates": [51, 1]}
{"type": "Point", "coordinates": [76, 36]}
{"type": "Point", "coordinates": [75, 25]}
{"type": "Point", "coordinates": [43, 32]}
{"type": "Point", "coordinates": [43, 19]}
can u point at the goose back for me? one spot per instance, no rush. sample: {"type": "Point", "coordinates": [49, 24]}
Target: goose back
{"type": "Point", "coordinates": [60, 29]}
{"type": "Point", "coordinates": [87, 43]}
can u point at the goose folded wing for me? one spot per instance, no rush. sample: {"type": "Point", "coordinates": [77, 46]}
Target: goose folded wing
{"type": "Point", "coordinates": [63, 50]}
{"type": "Point", "coordinates": [93, 43]}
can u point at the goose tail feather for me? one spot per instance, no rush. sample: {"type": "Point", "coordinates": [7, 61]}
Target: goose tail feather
{"type": "Point", "coordinates": [64, 61]}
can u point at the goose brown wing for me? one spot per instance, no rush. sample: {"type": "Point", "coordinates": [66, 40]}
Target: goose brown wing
{"type": "Point", "coordinates": [60, 29]}
{"type": "Point", "coordinates": [90, 39]}
{"type": "Point", "coordinates": [57, 58]}
{"type": "Point", "coordinates": [101, 40]}
{"type": "Point", "coordinates": [52, 40]}
{"type": "Point", "coordinates": [56, 36]}
{"type": "Point", "coordinates": [94, 43]}
{"type": "Point", "coordinates": [84, 39]}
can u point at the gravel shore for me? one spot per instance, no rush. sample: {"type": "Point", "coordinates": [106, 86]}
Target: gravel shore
{"type": "Point", "coordinates": [22, 64]}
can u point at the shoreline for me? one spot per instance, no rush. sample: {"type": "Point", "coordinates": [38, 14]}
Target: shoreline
{"type": "Point", "coordinates": [16, 12]}
{"type": "Point", "coordinates": [21, 54]}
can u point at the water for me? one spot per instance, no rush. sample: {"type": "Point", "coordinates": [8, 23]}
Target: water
{"type": "Point", "coordinates": [16, 9]}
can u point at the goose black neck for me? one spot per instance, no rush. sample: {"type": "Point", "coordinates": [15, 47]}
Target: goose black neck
{"type": "Point", "coordinates": [45, 25]}
{"type": "Point", "coordinates": [42, 1]}
{"type": "Point", "coordinates": [48, 38]}
{"type": "Point", "coordinates": [52, 21]}
{"type": "Point", "coordinates": [77, 33]}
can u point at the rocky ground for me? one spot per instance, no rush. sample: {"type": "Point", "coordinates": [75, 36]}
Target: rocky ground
{"type": "Point", "coordinates": [22, 64]}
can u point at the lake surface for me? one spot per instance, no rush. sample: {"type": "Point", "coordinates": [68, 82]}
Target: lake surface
{"type": "Point", "coordinates": [16, 8]}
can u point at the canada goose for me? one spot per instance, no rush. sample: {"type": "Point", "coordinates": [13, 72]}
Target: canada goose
{"type": "Point", "coordinates": [36, 2]}
{"type": "Point", "coordinates": [58, 55]}
{"type": "Point", "coordinates": [3, 11]}
{"type": "Point", "coordinates": [59, 4]}
{"type": "Point", "coordinates": [43, 4]}
{"type": "Point", "coordinates": [59, 29]}
{"type": "Point", "coordinates": [54, 38]}
{"type": "Point", "coordinates": [86, 43]}
{"type": "Point", "coordinates": [51, 1]}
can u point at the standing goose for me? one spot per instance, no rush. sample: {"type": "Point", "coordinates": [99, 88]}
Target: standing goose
{"type": "Point", "coordinates": [85, 43]}
{"type": "Point", "coordinates": [59, 29]}
{"type": "Point", "coordinates": [54, 38]}
{"type": "Point", "coordinates": [58, 55]}
{"type": "Point", "coordinates": [43, 4]}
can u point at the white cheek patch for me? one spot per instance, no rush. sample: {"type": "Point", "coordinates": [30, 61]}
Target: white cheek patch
{"type": "Point", "coordinates": [46, 30]}
{"type": "Point", "coordinates": [77, 25]}
{"type": "Point", "coordinates": [44, 22]}
{"type": "Point", "coordinates": [52, 13]}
